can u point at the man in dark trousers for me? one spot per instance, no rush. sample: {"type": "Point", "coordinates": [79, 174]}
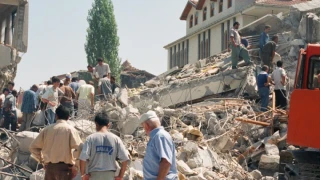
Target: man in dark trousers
{"type": "Point", "coordinates": [279, 77]}
{"type": "Point", "coordinates": [268, 52]}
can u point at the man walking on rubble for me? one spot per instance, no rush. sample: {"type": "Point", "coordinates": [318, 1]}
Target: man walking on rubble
{"type": "Point", "coordinates": [160, 158]}
{"type": "Point", "coordinates": [28, 107]}
{"type": "Point", "coordinates": [68, 97]}
{"type": "Point", "coordinates": [102, 69]}
{"type": "Point", "coordinates": [105, 90]}
{"type": "Point", "coordinates": [238, 50]}
{"type": "Point", "coordinates": [10, 109]}
{"type": "Point", "coordinates": [264, 37]}
{"type": "Point", "coordinates": [268, 52]}
{"type": "Point", "coordinates": [100, 152]}
{"type": "Point", "coordinates": [264, 82]}
{"type": "Point", "coordinates": [85, 97]}
{"type": "Point", "coordinates": [51, 97]}
{"type": "Point", "coordinates": [279, 77]}
{"type": "Point", "coordinates": [54, 148]}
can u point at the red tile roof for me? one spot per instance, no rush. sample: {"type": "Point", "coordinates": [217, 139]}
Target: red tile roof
{"type": "Point", "coordinates": [198, 4]}
{"type": "Point", "coordinates": [281, 2]}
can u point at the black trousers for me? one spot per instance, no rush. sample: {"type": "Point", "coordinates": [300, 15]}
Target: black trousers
{"type": "Point", "coordinates": [281, 100]}
{"type": "Point", "coordinates": [10, 117]}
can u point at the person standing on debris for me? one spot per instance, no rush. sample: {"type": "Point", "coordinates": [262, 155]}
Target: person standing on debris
{"type": "Point", "coordinates": [85, 97]}
{"type": "Point", "coordinates": [11, 85]}
{"type": "Point", "coordinates": [238, 50]}
{"type": "Point", "coordinates": [2, 98]}
{"type": "Point", "coordinates": [264, 37]}
{"type": "Point", "coordinates": [74, 84]}
{"type": "Point", "coordinates": [264, 82]}
{"type": "Point", "coordinates": [114, 84]}
{"type": "Point", "coordinates": [67, 81]}
{"type": "Point", "coordinates": [244, 41]}
{"type": "Point", "coordinates": [100, 152]}
{"type": "Point", "coordinates": [92, 72]}
{"type": "Point", "coordinates": [10, 110]}
{"type": "Point", "coordinates": [104, 90]}
{"type": "Point", "coordinates": [102, 69]}
{"type": "Point", "coordinates": [279, 77]}
{"type": "Point", "coordinates": [160, 159]}
{"type": "Point", "coordinates": [53, 147]}
{"type": "Point", "coordinates": [68, 97]}
{"type": "Point", "coordinates": [28, 107]}
{"type": "Point", "coordinates": [269, 51]}
{"type": "Point", "coordinates": [51, 97]}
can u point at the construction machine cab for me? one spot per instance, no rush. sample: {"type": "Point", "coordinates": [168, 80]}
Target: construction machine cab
{"type": "Point", "coordinates": [304, 114]}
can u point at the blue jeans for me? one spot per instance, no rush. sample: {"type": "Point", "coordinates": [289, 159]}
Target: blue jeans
{"type": "Point", "coordinates": [51, 116]}
{"type": "Point", "coordinates": [264, 95]}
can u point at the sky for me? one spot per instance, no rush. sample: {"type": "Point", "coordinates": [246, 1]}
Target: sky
{"type": "Point", "coordinates": [57, 33]}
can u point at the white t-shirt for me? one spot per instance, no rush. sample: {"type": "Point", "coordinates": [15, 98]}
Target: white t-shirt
{"type": "Point", "coordinates": [102, 70]}
{"type": "Point", "coordinates": [277, 78]}
{"type": "Point", "coordinates": [85, 92]}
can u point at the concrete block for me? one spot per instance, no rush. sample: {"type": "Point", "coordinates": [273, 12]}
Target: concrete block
{"type": "Point", "coordinates": [184, 168]}
{"type": "Point", "coordinates": [5, 58]}
{"type": "Point", "coordinates": [271, 149]}
{"type": "Point", "coordinates": [256, 174]}
{"type": "Point", "coordinates": [190, 147]}
{"type": "Point", "coordinates": [123, 96]}
{"type": "Point", "coordinates": [270, 162]}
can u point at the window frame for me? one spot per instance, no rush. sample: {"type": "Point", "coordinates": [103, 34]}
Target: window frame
{"type": "Point", "coordinates": [220, 6]}
{"type": "Point", "coordinates": [312, 61]}
{"type": "Point", "coordinates": [229, 4]}
{"type": "Point", "coordinates": [196, 17]}
{"type": "Point", "coordinates": [212, 10]}
{"type": "Point", "coordinates": [204, 14]}
{"type": "Point", "coordinates": [191, 21]}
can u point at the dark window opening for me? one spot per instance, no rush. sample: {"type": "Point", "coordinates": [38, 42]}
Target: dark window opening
{"type": "Point", "coordinates": [212, 10]}
{"type": "Point", "coordinates": [229, 3]}
{"type": "Point", "coordinates": [196, 19]}
{"type": "Point", "coordinates": [191, 21]}
{"type": "Point", "coordinates": [204, 15]}
{"type": "Point", "coordinates": [220, 6]}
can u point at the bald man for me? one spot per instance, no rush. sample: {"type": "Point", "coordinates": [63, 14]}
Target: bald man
{"type": "Point", "coordinates": [160, 158]}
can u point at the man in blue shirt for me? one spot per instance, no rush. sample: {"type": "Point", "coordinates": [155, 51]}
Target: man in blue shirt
{"type": "Point", "coordinates": [264, 37]}
{"type": "Point", "coordinates": [160, 158]}
{"type": "Point", "coordinates": [264, 82]}
{"type": "Point", "coordinates": [28, 107]}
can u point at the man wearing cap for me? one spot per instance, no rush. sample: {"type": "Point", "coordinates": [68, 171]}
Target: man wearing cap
{"type": "Point", "coordinates": [160, 158]}
{"type": "Point", "coordinates": [28, 107]}
{"type": "Point", "coordinates": [67, 81]}
{"type": "Point", "coordinates": [102, 69]}
{"type": "Point", "coordinates": [100, 152]}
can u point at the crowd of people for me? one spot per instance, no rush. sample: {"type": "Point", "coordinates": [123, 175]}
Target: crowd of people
{"type": "Point", "coordinates": [268, 76]}
{"type": "Point", "coordinates": [59, 147]}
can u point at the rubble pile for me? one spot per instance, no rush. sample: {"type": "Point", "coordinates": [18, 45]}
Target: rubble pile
{"type": "Point", "coordinates": [210, 111]}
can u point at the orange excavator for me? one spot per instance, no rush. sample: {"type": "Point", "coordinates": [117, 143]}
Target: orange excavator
{"type": "Point", "coordinates": [304, 120]}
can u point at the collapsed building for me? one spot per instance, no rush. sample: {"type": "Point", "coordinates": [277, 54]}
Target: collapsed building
{"type": "Point", "coordinates": [210, 110]}
{"type": "Point", "coordinates": [13, 37]}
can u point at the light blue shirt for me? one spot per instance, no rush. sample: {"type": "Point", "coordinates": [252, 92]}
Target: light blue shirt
{"type": "Point", "coordinates": [159, 146]}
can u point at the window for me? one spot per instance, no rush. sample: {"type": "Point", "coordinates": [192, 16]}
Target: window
{"type": "Point", "coordinates": [229, 3]}
{"type": "Point", "coordinates": [220, 6]}
{"type": "Point", "coordinates": [171, 60]}
{"type": "Point", "coordinates": [314, 73]}
{"type": "Point", "coordinates": [204, 15]}
{"type": "Point", "coordinates": [212, 10]}
{"type": "Point", "coordinates": [196, 19]}
{"type": "Point", "coordinates": [191, 21]}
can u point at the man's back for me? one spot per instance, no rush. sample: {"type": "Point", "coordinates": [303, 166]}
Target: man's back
{"type": "Point", "coordinates": [85, 91]}
{"type": "Point", "coordinates": [263, 40]}
{"type": "Point", "coordinates": [102, 70]}
{"type": "Point", "coordinates": [105, 86]}
{"type": "Point", "coordinates": [68, 94]}
{"type": "Point", "coordinates": [75, 86]}
{"type": "Point", "coordinates": [269, 48]}
{"type": "Point", "coordinates": [102, 150]}
{"type": "Point", "coordinates": [277, 77]}
{"type": "Point", "coordinates": [56, 142]}
{"type": "Point", "coordinates": [28, 102]}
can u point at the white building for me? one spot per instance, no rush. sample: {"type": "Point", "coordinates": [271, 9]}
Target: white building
{"type": "Point", "coordinates": [208, 23]}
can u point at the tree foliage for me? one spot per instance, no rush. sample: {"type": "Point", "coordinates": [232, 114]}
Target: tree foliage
{"type": "Point", "coordinates": [102, 38]}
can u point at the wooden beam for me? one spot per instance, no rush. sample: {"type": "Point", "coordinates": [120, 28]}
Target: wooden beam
{"type": "Point", "coordinates": [252, 122]}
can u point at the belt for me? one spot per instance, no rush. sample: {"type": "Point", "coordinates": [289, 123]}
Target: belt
{"type": "Point", "coordinates": [70, 165]}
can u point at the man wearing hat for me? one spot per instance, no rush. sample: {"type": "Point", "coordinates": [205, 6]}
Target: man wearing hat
{"type": "Point", "coordinates": [160, 158]}
{"type": "Point", "coordinates": [102, 69]}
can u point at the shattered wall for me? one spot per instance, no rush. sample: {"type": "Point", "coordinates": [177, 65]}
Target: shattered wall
{"type": "Point", "coordinates": [13, 37]}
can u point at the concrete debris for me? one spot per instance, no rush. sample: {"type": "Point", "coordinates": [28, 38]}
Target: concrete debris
{"type": "Point", "coordinates": [256, 174]}
{"type": "Point", "coordinates": [269, 162]}
{"type": "Point", "coordinates": [184, 168]}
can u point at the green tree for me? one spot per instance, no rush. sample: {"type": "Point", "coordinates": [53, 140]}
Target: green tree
{"type": "Point", "coordinates": [102, 38]}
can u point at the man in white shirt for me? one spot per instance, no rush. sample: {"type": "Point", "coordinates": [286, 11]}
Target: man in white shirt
{"type": "Point", "coordinates": [279, 77]}
{"type": "Point", "coordinates": [51, 97]}
{"type": "Point", "coordinates": [85, 97]}
{"type": "Point", "coordinates": [102, 69]}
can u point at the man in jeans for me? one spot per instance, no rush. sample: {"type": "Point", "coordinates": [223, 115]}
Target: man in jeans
{"type": "Point", "coordinates": [51, 97]}
{"type": "Point", "coordinates": [279, 77]}
{"type": "Point", "coordinates": [28, 107]}
{"type": "Point", "coordinates": [238, 50]}
{"type": "Point", "coordinates": [10, 110]}
{"type": "Point", "coordinates": [100, 152]}
{"type": "Point", "coordinates": [264, 81]}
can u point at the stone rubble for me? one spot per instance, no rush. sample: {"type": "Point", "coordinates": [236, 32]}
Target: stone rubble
{"type": "Point", "coordinates": [210, 143]}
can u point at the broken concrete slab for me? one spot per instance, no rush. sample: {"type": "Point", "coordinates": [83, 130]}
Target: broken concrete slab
{"type": "Point", "coordinates": [271, 149]}
{"type": "Point", "coordinates": [270, 162]}
{"type": "Point", "coordinates": [256, 174]}
{"type": "Point", "coordinates": [184, 168]}
{"type": "Point", "coordinates": [6, 55]}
